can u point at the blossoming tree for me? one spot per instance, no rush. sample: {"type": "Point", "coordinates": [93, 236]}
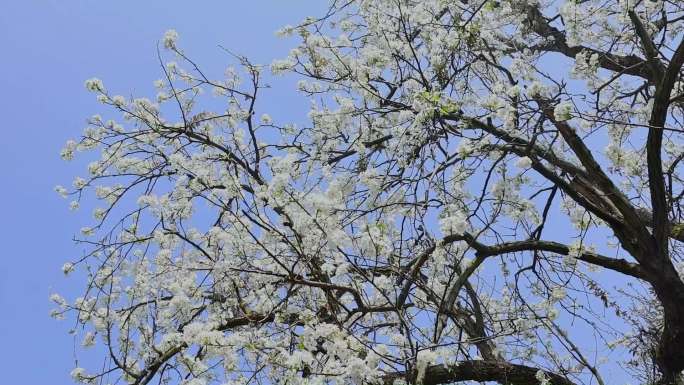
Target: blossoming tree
{"type": "Point", "coordinates": [486, 190]}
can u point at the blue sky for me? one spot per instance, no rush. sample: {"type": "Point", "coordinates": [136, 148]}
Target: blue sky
{"type": "Point", "coordinates": [49, 48]}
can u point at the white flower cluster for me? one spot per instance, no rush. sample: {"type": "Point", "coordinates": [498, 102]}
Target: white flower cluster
{"type": "Point", "coordinates": [170, 38]}
{"type": "Point", "coordinates": [408, 216]}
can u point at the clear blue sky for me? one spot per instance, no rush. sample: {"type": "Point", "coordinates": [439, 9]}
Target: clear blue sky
{"type": "Point", "coordinates": [48, 48]}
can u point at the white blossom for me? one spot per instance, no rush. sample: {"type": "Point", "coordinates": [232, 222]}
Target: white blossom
{"type": "Point", "coordinates": [63, 192]}
{"type": "Point", "coordinates": [170, 38]}
{"type": "Point", "coordinates": [67, 268]}
{"type": "Point", "coordinates": [563, 111]}
{"type": "Point", "coordinates": [524, 162]}
{"type": "Point", "coordinates": [78, 375]}
{"type": "Point", "coordinates": [95, 85]}
{"type": "Point", "coordinates": [436, 206]}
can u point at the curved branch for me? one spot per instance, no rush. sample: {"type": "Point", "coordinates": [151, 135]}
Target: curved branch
{"type": "Point", "coordinates": [481, 371]}
{"type": "Point", "coordinates": [615, 264]}
{"type": "Point", "coordinates": [596, 173]}
{"type": "Point", "coordinates": [661, 103]}
{"type": "Point", "coordinates": [630, 65]}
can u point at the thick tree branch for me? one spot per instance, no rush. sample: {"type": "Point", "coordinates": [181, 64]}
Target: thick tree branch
{"type": "Point", "coordinates": [619, 265]}
{"type": "Point", "coordinates": [482, 371]}
{"type": "Point", "coordinates": [597, 175]}
{"type": "Point", "coordinates": [630, 65]}
{"type": "Point", "coordinates": [647, 44]}
{"type": "Point", "coordinates": [661, 103]}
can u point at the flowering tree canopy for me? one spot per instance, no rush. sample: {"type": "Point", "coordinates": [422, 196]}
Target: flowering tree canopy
{"type": "Point", "coordinates": [485, 190]}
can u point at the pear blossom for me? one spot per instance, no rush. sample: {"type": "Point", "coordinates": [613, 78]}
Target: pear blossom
{"type": "Point", "coordinates": [78, 374]}
{"type": "Point", "coordinates": [67, 268]}
{"type": "Point", "coordinates": [170, 38]}
{"type": "Point", "coordinates": [523, 162]}
{"type": "Point", "coordinates": [56, 298]}
{"type": "Point", "coordinates": [67, 152]}
{"type": "Point", "coordinates": [63, 192]}
{"type": "Point", "coordinates": [472, 187]}
{"type": "Point", "coordinates": [95, 85]}
{"type": "Point", "coordinates": [562, 111]}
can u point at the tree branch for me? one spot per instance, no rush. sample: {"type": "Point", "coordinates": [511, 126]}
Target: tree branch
{"type": "Point", "coordinates": [661, 103]}
{"type": "Point", "coordinates": [482, 371]}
